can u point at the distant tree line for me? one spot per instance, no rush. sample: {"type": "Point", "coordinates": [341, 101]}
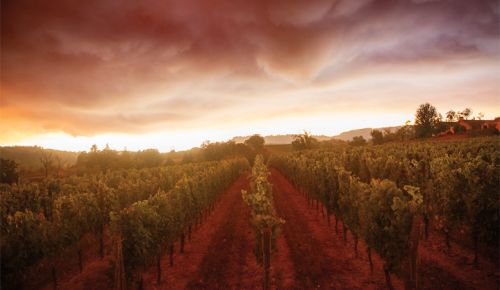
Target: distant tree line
{"type": "Point", "coordinates": [10, 171]}
{"type": "Point", "coordinates": [249, 149]}
{"type": "Point", "coordinates": [357, 141]}
{"type": "Point", "coordinates": [304, 141]}
{"type": "Point", "coordinates": [103, 160]}
{"type": "Point", "coordinates": [453, 116]}
{"type": "Point", "coordinates": [107, 159]}
{"type": "Point", "coordinates": [404, 133]}
{"type": "Point", "coordinates": [28, 157]}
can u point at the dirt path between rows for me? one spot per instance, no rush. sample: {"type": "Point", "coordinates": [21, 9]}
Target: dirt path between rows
{"type": "Point", "coordinates": [458, 264]}
{"type": "Point", "coordinates": [220, 252]}
{"type": "Point", "coordinates": [320, 259]}
{"type": "Point", "coordinates": [308, 232]}
{"type": "Point", "coordinates": [229, 261]}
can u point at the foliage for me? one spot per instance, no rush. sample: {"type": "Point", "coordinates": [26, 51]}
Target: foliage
{"type": "Point", "coordinates": [256, 142]}
{"type": "Point", "coordinates": [226, 150]}
{"type": "Point", "coordinates": [426, 120]}
{"type": "Point", "coordinates": [8, 171]}
{"type": "Point", "coordinates": [357, 141]}
{"type": "Point", "coordinates": [389, 222]}
{"type": "Point", "coordinates": [466, 113]}
{"type": "Point", "coordinates": [28, 157]}
{"type": "Point", "coordinates": [260, 198]}
{"type": "Point", "coordinates": [41, 219]}
{"type": "Point", "coordinates": [482, 197]}
{"type": "Point", "coordinates": [304, 141]}
{"type": "Point", "coordinates": [451, 116]}
{"type": "Point", "coordinates": [377, 137]}
{"type": "Point", "coordinates": [147, 226]}
{"type": "Point", "coordinates": [378, 191]}
{"type": "Point", "coordinates": [108, 159]}
{"type": "Point", "coordinates": [266, 223]}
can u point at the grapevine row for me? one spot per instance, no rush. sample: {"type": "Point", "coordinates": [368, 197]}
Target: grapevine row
{"type": "Point", "coordinates": [383, 193]}
{"type": "Point", "coordinates": [147, 229]}
{"type": "Point", "coordinates": [264, 220]}
{"type": "Point", "coordinates": [41, 220]}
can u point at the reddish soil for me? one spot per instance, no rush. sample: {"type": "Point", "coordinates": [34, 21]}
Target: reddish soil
{"type": "Point", "coordinates": [283, 273]}
{"type": "Point", "coordinates": [220, 253]}
{"type": "Point", "coordinates": [320, 258]}
{"type": "Point", "coordinates": [94, 275]}
{"type": "Point", "coordinates": [307, 231]}
{"type": "Point", "coordinates": [459, 264]}
{"type": "Point", "coordinates": [224, 257]}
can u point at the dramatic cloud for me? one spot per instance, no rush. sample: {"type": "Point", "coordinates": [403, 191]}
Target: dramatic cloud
{"type": "Point", "coordinates": [138, 67]}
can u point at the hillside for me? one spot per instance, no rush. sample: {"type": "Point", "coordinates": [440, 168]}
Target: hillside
{"type": "Point", "coordinates": [365, 132]}
{"type": "Point", "coordinates": [28, 157]}
{"type": "Point", "coordinates": [344, 136]}
{"type": "Point", "coordinates": [279, 139]}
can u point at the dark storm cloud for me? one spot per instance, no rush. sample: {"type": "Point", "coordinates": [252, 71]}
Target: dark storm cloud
{"type": "Point", "coordinates": [97, 61]}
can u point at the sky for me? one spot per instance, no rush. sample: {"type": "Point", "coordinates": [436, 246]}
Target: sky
{"type": "Point", "coordinates": [172, 74]}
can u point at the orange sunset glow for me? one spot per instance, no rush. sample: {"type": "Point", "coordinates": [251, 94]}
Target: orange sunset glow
{"type": "Point", "coordinates": [249, 144]}
{"type": "Point", "coordinates": [172, 74]}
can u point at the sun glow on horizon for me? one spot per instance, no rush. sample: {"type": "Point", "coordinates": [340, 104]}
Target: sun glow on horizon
{"type": "Point", "coordinates": [182, 140]}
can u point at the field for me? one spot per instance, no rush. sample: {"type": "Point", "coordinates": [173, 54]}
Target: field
{"type": "Point", "coordinates": [203, 225]}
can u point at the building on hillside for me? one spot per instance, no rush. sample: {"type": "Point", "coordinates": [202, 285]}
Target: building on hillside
{"type": "Point", "coordinates": [490, 124]}
{"type": "Point", "coordinates": [479, 125]}
{"type": "Point", "coordinates": [471, 126]}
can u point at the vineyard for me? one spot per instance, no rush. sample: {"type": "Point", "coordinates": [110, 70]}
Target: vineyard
{"type": "Point", "coordinates": [414, 215]}
{"type": "Point", "coordinates": [386, 195]}
{"type": "Point", "coordinates": [145, 211]}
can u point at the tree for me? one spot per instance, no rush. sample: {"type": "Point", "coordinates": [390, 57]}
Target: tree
{"type": "Point", "coordinates": [426, 120]}
{"type": "Point", "coordinates": [377, 137]}
{"type": "Point", "coordinates": [245, 151]}
{"type": "Point", "coordinates": [256, 142]}
{"type": "Point", "coordinates": [406, 132]}
{"type": "Point", "coordinates": [358, 141]}
{"type": "Point", "coordinates": [47, 161]}
{"type": "Point", "coordinates": [304, 141]}
{"type": "Point", "coordinates": [451, 116]}
{"type": "Point", "coordinates": [219, 150]}
{"type": "Point", "coordinates": [466, 113]}
{"type": "Point", "coordinates": [58, 165]}
{"type": "Point", "coordinates": [8, 171]}
{"type": "Point", "coordinates": [148, 158]}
